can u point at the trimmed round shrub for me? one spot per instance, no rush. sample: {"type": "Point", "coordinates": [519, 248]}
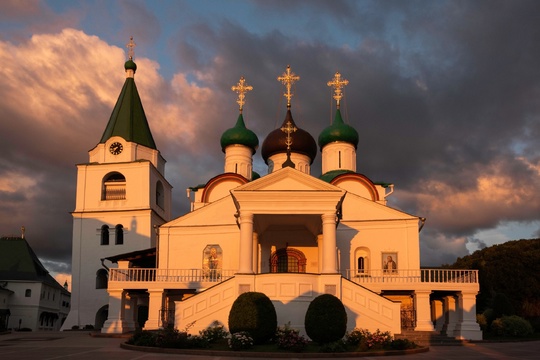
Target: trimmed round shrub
{"type": "Point", "coordinates": [326, 319]}
{"type": "Point", "coordinates": [253, 312]}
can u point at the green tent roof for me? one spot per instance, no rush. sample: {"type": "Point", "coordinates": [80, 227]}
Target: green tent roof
{"type": "Point", "coordinates": [128, 119]}
{"type": "Point", "coordinates": [19, 262]}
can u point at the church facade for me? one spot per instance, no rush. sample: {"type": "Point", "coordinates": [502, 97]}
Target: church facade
{"type": "Point", "coordinates": [288, 234]}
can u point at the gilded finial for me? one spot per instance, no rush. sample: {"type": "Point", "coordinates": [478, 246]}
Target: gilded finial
{"type": "Point", "coordinates": [131, 45]}
{"type": "Point", "coordinates": [337, 83]}
{"type": "Point", "coordinates": [288, 78]}
{"type": "Point", "coordinates": [241, 89]}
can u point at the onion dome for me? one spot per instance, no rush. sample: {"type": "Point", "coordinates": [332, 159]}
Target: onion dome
{"type": "Point", "coordinates": [130, 65]}
{"type": "Point", "coordinates": [276, 142]}
{"type": "Point", "coordinates": [239, 135]}
{"type": "Point", "coordinates": [338, 131]}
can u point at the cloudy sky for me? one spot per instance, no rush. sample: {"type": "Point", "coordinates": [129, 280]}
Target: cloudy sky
{"type": "Point", "coordinates": [445, 96]}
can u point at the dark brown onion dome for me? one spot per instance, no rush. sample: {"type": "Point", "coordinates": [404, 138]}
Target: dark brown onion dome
{"type": "Point", "coordinates": [276, 142]}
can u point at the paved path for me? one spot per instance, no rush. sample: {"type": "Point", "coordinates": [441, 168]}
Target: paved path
{"type": "Point", "coordinates": [80, 346]}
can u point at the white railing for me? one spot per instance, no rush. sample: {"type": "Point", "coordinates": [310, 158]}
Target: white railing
{"type": "Point", "coordinates": [372, 276]}
{"type": "Point", "coordinates": [170, 275]}
{"type": "Point", "coordinates": [415, 275]}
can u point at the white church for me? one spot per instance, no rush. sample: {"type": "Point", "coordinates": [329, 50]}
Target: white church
{"type": "Point", "coordinates": [289, 234]}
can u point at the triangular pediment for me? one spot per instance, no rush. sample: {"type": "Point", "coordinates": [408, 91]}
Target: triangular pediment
{"type": "Point", "coordinates": [358, 208]}
{"type": "Point", "coordinates": [288, 179]}
{"type": "Point", "coordinates": [220, 212]}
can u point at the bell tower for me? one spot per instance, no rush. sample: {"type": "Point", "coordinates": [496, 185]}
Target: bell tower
{"type": "Point", "coordinates": [122, 195]}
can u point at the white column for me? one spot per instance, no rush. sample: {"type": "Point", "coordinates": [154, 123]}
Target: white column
{"type": "Point", "coordinates": [423, 311]}
{"type": "Point", "coordinates": [255, 265]}
{"type": "Point", "coordinates": [329, 264]}
{"type": "Point", "coordinates": [115, 320]}
{"type": "Point", "coordinates": [451, 311]}
{"type": "Point", "coordinates": [130, 313]}
{"type": "Point", "coordinates": [438, 315]}
{"type": "Point", "coordinates": [320, 251]}
{"type": "Point", "coordinates": [246, 243]}
{"type": "Point", "coordinates": [155, 305]}
{"type": "Point", "coordinates": [467, 327]}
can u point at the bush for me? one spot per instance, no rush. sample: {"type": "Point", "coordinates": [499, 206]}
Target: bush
{"type": "Point", "coordinates": [482, 321]}
{"type": "Point", "coordinates": [240, 341]}
{"type": "Point", "coordinates": [502, 306]}
{"type": "Point", "coordinates": [88, 327]}
{"type": "Point", "coordinates": [333, 347]}
{"type": "Point", "coordinates": [143, 338]}
{"type": "Point", "coordinates": [214, 332]}
{"type": "Point", "coordinates": [375, 341]}
{"type": "Point", "coordinates": [512, 326]}
{"type": "Point", "coordinates": [401, 344]}
{"type": "Point", "coordinates": [75, 327]}
{"type": "Point", "coordinates": [326, 319]}
{"type": "Point", "coordinates": [290, 339]}
{"type": "Point", "coordinates": [354, 337]}
{"type": "Point", "coordinates": [253, 312]}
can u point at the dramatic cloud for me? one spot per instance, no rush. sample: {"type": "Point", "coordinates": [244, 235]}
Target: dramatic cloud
{"type": "Point", "coordinates": [443, 94]}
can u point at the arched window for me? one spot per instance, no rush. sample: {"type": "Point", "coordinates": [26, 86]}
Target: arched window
{"type": "Point", "coordinates": [28, 293]}
{"type": "Point", "coordinates": [119, 234]}
{"type": "Point", "coordinates": [288, 260]}
{"type": "Point", "coordinates": [362, 263]}
{"type": "Point", "coordinates": [114, 187]}
{"type": "Point", "coordinates": [160, 195]}
{"type": "Point", "coordinates": [105, 235]}
{"type": "Point", "coordinates": [101, 279]}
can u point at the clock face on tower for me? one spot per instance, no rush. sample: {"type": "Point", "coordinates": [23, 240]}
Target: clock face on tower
{"type": "Point", "coordinates": [116, 148]}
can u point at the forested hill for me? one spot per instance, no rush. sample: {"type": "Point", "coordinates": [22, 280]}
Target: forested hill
{"type": "Point", "coordinates": [512, 268]}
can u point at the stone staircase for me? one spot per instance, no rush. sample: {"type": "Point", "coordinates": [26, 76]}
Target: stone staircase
{"type": "Point", "coordinates": [429, 338]}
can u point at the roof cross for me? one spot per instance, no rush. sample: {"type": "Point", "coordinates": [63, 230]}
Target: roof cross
{"type": "Point", "coordinates": [241, 89]}
{"type": "Point", "coordinates": [338, 84]}
{"type": "Point", "coordinates": [288, 78]}
{"type": "Point", "coordinates": [289, 128]}
{"type": "Point", "coordinates": [131, 45]}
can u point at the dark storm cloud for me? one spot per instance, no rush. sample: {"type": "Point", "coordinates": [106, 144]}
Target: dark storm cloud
{"type": "Point", "coordinates": [454, 102]}
{"type": "Point", "coordinates": [444, 95]}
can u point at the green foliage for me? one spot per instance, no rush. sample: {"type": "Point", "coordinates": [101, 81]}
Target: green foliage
{"type": "Point", "coordinates": [481, 320]}
{"type": "Point", "coordinates": [402, 344]}
{"type": "Point", "coordinates": [326, 319]}
{"type": "Point", "coordinates": [143, 338]}
{"type": "Point", "coordinates": [521, 284]}
{"type": "Point", "coordinates": [254, 312]}
{"type": "Point", "coordinates": [502, 306]}
{"type": "Point", "coordinates": [240, 341]}
{"type": "Point", "coordinates": [512, 326]}
{"type": "Point", "coordinates": [290, 339]}
{"type": "Point", "coordinates": [167, 338]}
{"type": "Point", "coordinates": [214, 332]}
{"type": "Point", "coordinates": [333, 347]}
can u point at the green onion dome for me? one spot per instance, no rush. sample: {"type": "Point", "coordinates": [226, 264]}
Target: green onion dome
{"type": "Point", "coordinates": [276, 141]}
{"type": "Point", "coordinates": [338, 131]}
{"type": "Point", "coordinates": [239, 135]}
{"type": "Point", "coordinates": [130, 65]}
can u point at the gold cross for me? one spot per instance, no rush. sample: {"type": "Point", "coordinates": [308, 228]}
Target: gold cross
{"type": "Point", "coordinates": [130, 45]}
{"type": "Point", "coordinates": [241, 89]}
{"type": "Point", "coordinates": [289, 129]}
{"type": "Point", "coordinates": [338, 84]}
{"type": "Point", "coordinates": [288, 78]}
